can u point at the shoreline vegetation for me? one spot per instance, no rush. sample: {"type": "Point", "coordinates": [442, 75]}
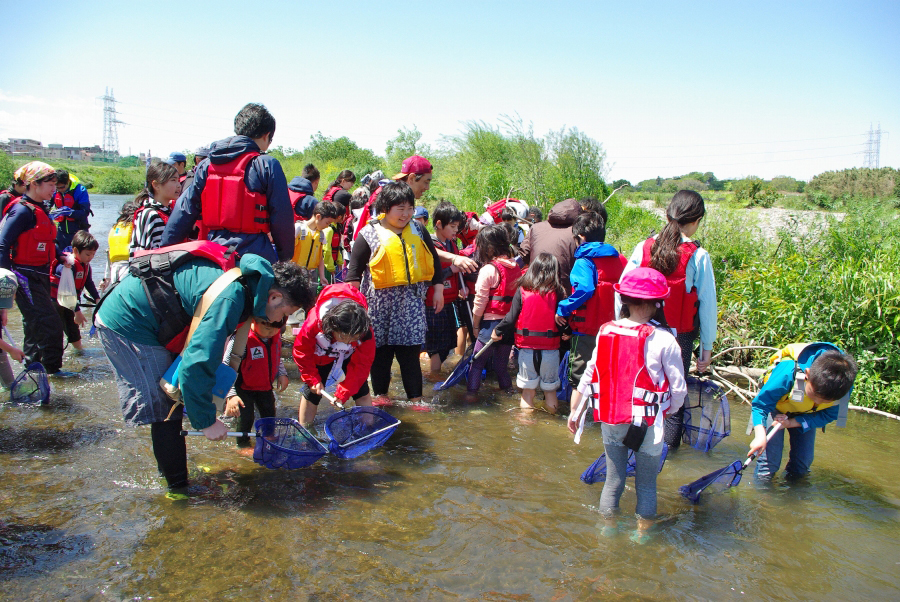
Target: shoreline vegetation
{"type": "Point", "coordinates": [777, 283]}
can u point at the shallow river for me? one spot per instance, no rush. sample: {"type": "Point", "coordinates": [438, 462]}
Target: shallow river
{"type": "Point", "coordinates": [474, 502]}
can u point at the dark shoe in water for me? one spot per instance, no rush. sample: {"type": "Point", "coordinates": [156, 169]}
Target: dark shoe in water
{"type": "Point", "coordinates": [63, 374]}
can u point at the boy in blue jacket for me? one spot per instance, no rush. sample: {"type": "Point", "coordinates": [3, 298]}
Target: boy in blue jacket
{"type": "Point", "coordinates": [598, 266]}
{"type": "Point", "coordinates": [806, 387]}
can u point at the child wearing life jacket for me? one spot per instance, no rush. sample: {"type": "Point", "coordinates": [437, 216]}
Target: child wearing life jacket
{"type": "Point", "coordinates": [84, 247]}
{"type": "Point", "coordinates": [336, 344]}
{"type": "Point", "coordinates": [261, 365]}
{"type": "Point", "coordinates": [393, 262]}
{"type": "Point", "coordinates": [532, 318]}
{"type": "Point", "coordinates": [494, 291]}
{"type": "Point", "coordinates": [309, 240]}
{"type": "Point", "coordinates": [156, 199]}
{"type": "Point", "coordinates": [8, 286]}
{"type": "Point", "coordinates": [28, 247]}
{"type": "Point", "coordinates": [806, 387]}
{"type": "Point", "coordinates": [441, 328]}
{"type": "Point", "coordinates": [598, 267]}
{"type": "Point", "coordinates": [633, 380]}
{"type": "Point", "coordinates": [344, 181]}
{"type": "Point", "coordinates": [691, 309]}
{"type": "Point", "coordinates": [334, 257]}
{"type": "Point", "coordinates": [119, 250]}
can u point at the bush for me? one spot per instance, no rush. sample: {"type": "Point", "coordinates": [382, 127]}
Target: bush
{"type": "Point", "coordinates": [7, 169]}
{"type": "Point", "coordinates": [755, 192]}
{"type": "Point", "coordinates": [857, 182]}
{"type": "Point", "coordinates": [112, 180]}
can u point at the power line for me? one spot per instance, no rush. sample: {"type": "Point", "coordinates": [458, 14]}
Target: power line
{"type": "Point", "coordinates": [740, 143]}
{"type": "Point", "coordinates": [797, 150]}
{"type": "Point", "coordinates": [676, 165]}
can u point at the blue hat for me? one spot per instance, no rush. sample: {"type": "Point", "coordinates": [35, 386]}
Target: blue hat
{"type": "Point", "coordinates": [176, 158]}
{"type": "Point", "coordinates": [420, 212]}
{"type": "Point", "coordinates": [203, 151]}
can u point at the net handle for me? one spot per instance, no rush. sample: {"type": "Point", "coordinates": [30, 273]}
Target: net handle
{"type": "Point", "coordinates": [370, 435]}
{"type": "Point", "coordinates": [332, 399]}
{"type": "Point", "coordinates": [228, 434]}
{"type": "Point", "coordinates": [775, 428]}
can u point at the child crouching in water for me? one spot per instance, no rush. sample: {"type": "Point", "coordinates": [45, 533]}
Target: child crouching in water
{"type": "Point", "coordinates": [260, 366]}
{"type": "Point", "coordinates": [635, 377]}
{"type": "Point", "coordinates": [84, 247]}
{"type": "Point", "coordinates": [532, 317]}
{"type": "Point", "coordinates": [337, 341]}
{"type": "Point", "coordinates": [494, 291]}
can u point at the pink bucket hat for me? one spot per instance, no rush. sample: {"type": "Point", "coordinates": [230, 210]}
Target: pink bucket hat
{"type": "Point", "coordinates": [643, 283]}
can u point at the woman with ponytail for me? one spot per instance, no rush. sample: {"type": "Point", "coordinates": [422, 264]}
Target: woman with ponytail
{"type": "Point", "coordinates": [691, 308]}
{"type": "Point", "coordinates": [156, 199]}
{"type": "Point", "coordinates": [344, 181]}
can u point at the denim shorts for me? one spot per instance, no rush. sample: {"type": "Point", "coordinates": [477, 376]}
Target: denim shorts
{"type": "Point", "coordinates": [538, 366]}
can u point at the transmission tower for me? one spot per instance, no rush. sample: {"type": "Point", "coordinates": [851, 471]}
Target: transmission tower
{"type": "Point", "coordinates": [873, 148]}
{"type": "Point", "coordinates": [110, 134]}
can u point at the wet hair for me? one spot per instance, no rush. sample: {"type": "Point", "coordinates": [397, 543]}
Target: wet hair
{"type": "Point", "coordinates": [159, 171]}
{"type": "Point", "coordinates": [542, 276]}
{"type": "Point", "coordinates": [84, 241]}
{"type": "Point", "coordinates": [394, 193]}
{"type": "Point", "coordinates": [659, 317]}
{"type": "Point", "coordinates": [591, 226]}
{"type": "Point", "coordinates": [832, 374]}
{"type": "Point", "coordinates": [347, 317]}
{"type": "Point", "coordinates": [685, 207]}
{"type": "Point", "coordinates": [592, 204]}
{"type": "Point", "coordinates": [295, 284]}
{"type": "Point", "coordinates": [126, 213]}
{"type": "Point", "coordinates": [447, 213]}
{"type": "Point", "coordinates": [62, 176]}
{"type": "Point", "coordinates": [327, 209]}
{"type": "Point", "coordinates": [492, 241]}
{"type": "Point", "coordinates": [535, 214]}
{"type": "Point", "coordinates": [254, 121]}
{"type": "Point", "coordinates": [310, 172]}
{"type": "Point", "coordinates": [344, 175]}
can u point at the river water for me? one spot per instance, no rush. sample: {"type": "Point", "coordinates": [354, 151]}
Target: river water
{"type": "Point", "coordinates": [474, 502]}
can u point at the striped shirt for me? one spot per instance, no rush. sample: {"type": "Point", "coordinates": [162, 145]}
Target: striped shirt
{"type": "Point", "coordinates": [148, 227]}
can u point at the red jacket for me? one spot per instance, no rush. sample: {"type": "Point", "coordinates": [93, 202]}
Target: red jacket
{"type": "Point", "coordinates": [501, 297]}
{"type": "Point", "coordinates": [451, 284]}
{"type": "Point", "coordinates": [681, 306]}
{"type": "Point", "coordinates": [600, 308]}
{"type": "Point", "coordinates": [310, 353]}
{"type": "Point", "coordinates": [227, 204]}
{"type": "Point", "coordinates": [37, 246]}
{"type": "Point", "coordinates": [81, 272]}
{"type": "Point", "coordinates": [536, 326]}
{"type": "Point", "coordinates": [260, 364]}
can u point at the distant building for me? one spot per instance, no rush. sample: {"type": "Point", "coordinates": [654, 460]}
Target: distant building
{"type": "Point", "coordinates": [26, 147]}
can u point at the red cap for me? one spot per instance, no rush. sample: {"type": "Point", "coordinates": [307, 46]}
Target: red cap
{"type": "Point", "coordinates": [643, 283]}
{"type": "Point", "coordinates": [415, 164]}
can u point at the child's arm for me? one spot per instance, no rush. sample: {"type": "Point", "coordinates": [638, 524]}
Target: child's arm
{"type": "Point", "coordinates": [358, 368]}
{"type": "Point", "coordinates": [233, 402]}
{"type": "Point", "coordinates": [705, 282]}
{"type": "Point", "coordinates": [304, 351]}
{"type": "Point", "coordinates": [282, 380]}
{"type": "Point", "coordinates": [507, 325]}
{"type": "Point", "coordinates": [581, 395]}
{"type": "Point", "coordinates": [584, 283]}
{"type": "Point", "coordinates": [488, 277]}
{"type": "Point", "coordinates": [13, 351]}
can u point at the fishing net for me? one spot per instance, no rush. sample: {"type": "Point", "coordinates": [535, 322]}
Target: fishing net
{"type": "Point", "coordinates": [716, 481]}
{"type": "Point", "coordinates": [358, 430]}
{"type": "Point", "coordinates": [707, 417]}
{"type": "Point", "coordinates": [31, 386]}
{"type": "Point", "coordinates": [596, 472]}
{"type": "Point", "coordinates": [565, 388]}
{"type": "Point", "coordinates": [460, 372]}
{"type": "Point", "coordinates": [283, 443]}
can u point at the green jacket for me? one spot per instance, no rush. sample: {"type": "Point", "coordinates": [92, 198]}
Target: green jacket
{"type": "Point", "coordinates": [127, 313]}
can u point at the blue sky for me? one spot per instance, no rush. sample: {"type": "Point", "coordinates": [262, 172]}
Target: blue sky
{"type": "Point", "coordinates": [735, 88]}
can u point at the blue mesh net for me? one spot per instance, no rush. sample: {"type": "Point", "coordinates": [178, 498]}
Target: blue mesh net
{"type": "Point", "coordinates": [707, 417]}
{"type": "Point", "coordinates": [565, 389]}
{"type": "Point", "coordinates": [460, 372]}
{"type": "Point", "coordinates": [283, 443]}
{"type": "Point", "coordinates": [596, 472]}
{"type": "Point", "coordinates": [31, 386]}
{"type": "Point", "coordinates": [358, 430]}
{"type": "Point", "coordinates": [719, 480]}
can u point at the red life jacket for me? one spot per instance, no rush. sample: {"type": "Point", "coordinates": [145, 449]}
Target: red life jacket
{"type": "Point", "coordinates": [10, 200]}
{"type": "Point", "coordinates": [536, 327]}
{"type": "Point", "coordinates": [36, 246]}
{"type": "Point", "coordinates": [296, 197]}
{"type": "Point", "coordinates": [163, 215]}
{"type": "Point", "coordinates": [64, 200]}
{"type": "Point", "coordinates": [468, 237]}
{"type": "Point", "coordinates": [621, 384]}
{"type": "Point", "coordinates": [260, 364]}
{"type": "Point", "coordinates": [500, 298]}
{"type": "Point", "coordinates": [182, 178]}
{"type": "Point", "coordinates": [155, 268]}
{"type": "Point", "coordinates": [329, 194]}
{"type": "Point", "coordinates": [451, 284]}
{"type": "Point", "coordinates": [600, 308]}
{"type": "Point", "coordinates": [225, 202]}
{"type": "Point", "coordinates": [366, 213]}
{"type": "Point", "coordinates": [81, 271]}
{"type": "Point", "coordinates": [681, 306]}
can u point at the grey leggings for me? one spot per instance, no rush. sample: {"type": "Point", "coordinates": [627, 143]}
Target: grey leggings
{"type": "Point", "coordinates": [646, 469]}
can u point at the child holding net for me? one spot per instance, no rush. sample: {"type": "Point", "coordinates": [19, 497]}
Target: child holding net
{"type": "Point", "coordinates": [633, 380]}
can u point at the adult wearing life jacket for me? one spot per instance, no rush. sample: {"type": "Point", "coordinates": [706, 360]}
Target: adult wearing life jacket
{"type": "Point", "coordinates": [136, 323]}
{"type": "Point", "coordinates": [598, 267]}
{"type": "Point", "coordinates": [555, 237]}
{"type": "Point", "coordinates": [28, 246]}
{"type": "Point", "coordinates": [303, 199]}
{"type": "Point", "coordinates": [691, 309]}
{"type": "Point", "coordinates": [70, 194]}
{"type": "Point", "coordinates": [336, 343]}
{"type": "Point", "coordinates": [806, 387]}
{"type": "Point", "coordinates": [240, 194]}
{"type": "Point", "coordinates": [11, 195]}
{"type": "Point", "coordinates": [416, 171]}
{"type": "Point", "coordinates": [393, 262]}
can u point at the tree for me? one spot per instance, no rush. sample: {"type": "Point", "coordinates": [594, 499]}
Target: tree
{"type": "Point", "coordinates": [620, 183]}
{"type": "Point", "coordinates": [405, 144]}
{"type": "Point", "coordinates": [7, 169]}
